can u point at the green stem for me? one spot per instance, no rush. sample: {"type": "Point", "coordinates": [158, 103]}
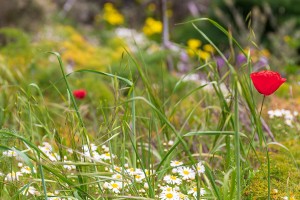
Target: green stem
{"type": "Point", "coordinates": [262, 106]}
{"type": "Point", "coordinates": [133, 128]}
{"type": "Point", "coordinates": [267, 151]}
{"type": "Point", "coordinates": [237, 143]}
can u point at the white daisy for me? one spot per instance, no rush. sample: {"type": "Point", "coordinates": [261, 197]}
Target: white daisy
{"type": "Point", "coordinates": [200, 168]}
{"type": "Point", "coordinates": [187, 173]}
{"type": "Point", "coordinates": [106, 156]}
{"type": "Point", "coordinates": [172, 179]}
{"type": "Point", "coordinates": [93, 147]}
{"type": "Point", "coordinates": [96, 156]}
{"type": "Point", "coordinates": [53, 156]}
{"type": "Point", "coordinates": [132, 171]}
{"type": "Point", "coordinates": [176, 163]}
{"type": "Point", "coordinates": [46, 148]}
{"type": "Point", "coordinates": [193, 192]}
{"type": "Point", "coordinates": [27, 170]}
{"type": "Point", "coordinates": [116, 169]}
{"type": "Point", "coordinates": [115, 186]}
{"type": "Point", "coordinates": [169, 195]}
{"type": "Point", "coordinates": [139, 177]}
{"type": "Point", "coordinates": [166, 188]}
{"type": "Point", "coordinates": [117, 176]}
{"type": "Point", "coordinates": [30, 190]}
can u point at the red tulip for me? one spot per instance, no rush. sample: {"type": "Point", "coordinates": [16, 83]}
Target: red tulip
{"type": "Point", "coordinates": [79, 94]}
{"type": "Point", "coordinates": [267, 82]}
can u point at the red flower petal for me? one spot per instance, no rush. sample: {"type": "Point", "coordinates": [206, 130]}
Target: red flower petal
{"type": "Point", "coordinates": [79, 94]}
{"type": "Point", "coordinates": [267, 82]}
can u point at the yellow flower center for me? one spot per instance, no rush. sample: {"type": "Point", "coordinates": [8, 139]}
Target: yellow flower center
{"type": "Point", "coordinates": [169, 195]}
{"type": "Point", "coordinates": [114, 185]}
{"type": "Point", "coordinates": [173, 177]}
{"type": "Point", "coordinates": [186, 172]}
{"type": "Point", "coordinates": [118, 176]}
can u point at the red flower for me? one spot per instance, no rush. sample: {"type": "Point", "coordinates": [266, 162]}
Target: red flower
{"type": "Point", "coordinates": [267, 82]}
{"type": "Point", "coordinates": [79, 94]}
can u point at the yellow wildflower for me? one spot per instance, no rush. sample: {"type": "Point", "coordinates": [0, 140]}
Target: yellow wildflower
{"type": "Point", "coordinates": [112, 15]}
{"type": "Point", "coordinates": [209, 48]}
{"type": "Point", "coordinates": [194, 44]}
{"type": "Point", "coordinates": [152, 26]}
{"type": "Point", "coordinates": [203, 55]}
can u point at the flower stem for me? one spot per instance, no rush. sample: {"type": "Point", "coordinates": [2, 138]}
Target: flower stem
{"type": "Point", "coordinates": [262, 104]}
{"type": "Point", "coordinates": [267, 151]}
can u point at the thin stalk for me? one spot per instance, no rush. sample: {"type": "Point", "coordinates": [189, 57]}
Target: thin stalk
{"type": "Point", "coordinates": [262, 104]}
{"type": "Point", "coordinates": [267, 151]}
{"type": "Point", "coordinates": [268, 158]}
{"type": "Point", "coordinates": [237, 142]}
{"type": "Point", "coordinates": [133, 127]}
{"type": "Point", "coordinates": [42, 177]}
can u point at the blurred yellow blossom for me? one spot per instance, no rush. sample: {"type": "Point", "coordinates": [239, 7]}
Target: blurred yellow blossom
{"type": "Point", "coordinates": [194, 44]}
{"type": "Point", "coordinates": [78, 51]}
{"type": "Point", "coordinates": [112, 15]}
{"type": "Point", "coordinates": [203, 55]}
{"type": "Point", "coordinates": [209, 48]}
{"type": "Point", "coordinates": [152, 26]}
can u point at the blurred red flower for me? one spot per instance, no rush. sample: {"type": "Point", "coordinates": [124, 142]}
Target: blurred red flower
{"type": "Point", "coordinates": [79, 94]}
{"type": "Point", "coordinates": [266, 82]}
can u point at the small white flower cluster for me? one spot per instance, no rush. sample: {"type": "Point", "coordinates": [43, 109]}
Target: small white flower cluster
{"type": "Point", "coordinates": [174, 193]}
{"type": "Point", "coordinates": [286, 114]}
{"type": "Point", "coordinates": [181, 174]}
{"type": "Point", "coordinates": [15, 176]}
{"type": "Point", "coordinates": [48, 151]}
{"type": "Point", "coordinates": [132, 176]}
{"type": "Point", "coordinates": [91, 153]}
{"type": "Point", "coordinates": [169, 186]}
